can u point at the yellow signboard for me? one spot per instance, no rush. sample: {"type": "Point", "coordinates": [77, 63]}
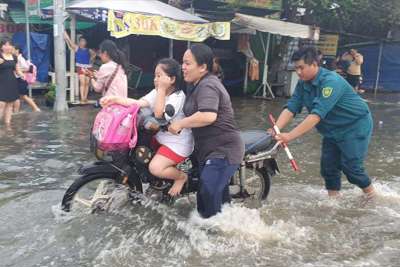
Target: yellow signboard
{"type": "Point", "coordinates": [124, 24]}
{"type": "Point", "coordinates": [328, 44]}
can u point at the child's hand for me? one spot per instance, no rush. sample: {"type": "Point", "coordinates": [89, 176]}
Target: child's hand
{"type": "Point", "coordinates": [1, 61]}
{"type": "Point", "coordinates": [89, 73]}
{"type": "Point", "coordinates": [109, 100]}
{"type": "Point", "coordinates": [164, 83]}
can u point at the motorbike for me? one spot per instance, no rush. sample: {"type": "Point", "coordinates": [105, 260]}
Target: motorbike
{"type": "Point", "coordinates": [93, 190]}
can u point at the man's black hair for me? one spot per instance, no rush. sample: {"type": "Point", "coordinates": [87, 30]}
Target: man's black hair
{"type": "Point", "coordinates": [309, 54]}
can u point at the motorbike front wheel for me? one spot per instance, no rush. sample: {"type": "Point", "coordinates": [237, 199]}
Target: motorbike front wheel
{"type": "Point", "coordinates": [90, 192]}
{"type": "Point", "coordinates": [256, 186]}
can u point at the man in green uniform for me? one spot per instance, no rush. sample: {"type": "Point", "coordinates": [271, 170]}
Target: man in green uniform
{"type": "Point", "coordinates": [340, 115]}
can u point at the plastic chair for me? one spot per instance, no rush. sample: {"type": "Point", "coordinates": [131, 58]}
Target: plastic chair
{"type": "Point", "coordinates": [134, 74]}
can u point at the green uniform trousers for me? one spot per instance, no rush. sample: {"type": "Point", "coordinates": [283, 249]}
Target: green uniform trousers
{"type": "Point", "coordinates": [346, 154]}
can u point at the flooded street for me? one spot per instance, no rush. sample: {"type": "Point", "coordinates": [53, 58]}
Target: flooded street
{"type": "Point", "coordinates": [297, 225]}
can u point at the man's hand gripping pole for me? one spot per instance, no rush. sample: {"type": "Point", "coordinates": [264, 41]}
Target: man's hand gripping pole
{"type": "Point", "coordinates": [284, 145]}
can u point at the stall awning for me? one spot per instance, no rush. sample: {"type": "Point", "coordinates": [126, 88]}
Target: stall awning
{"type": "Point", "coordinates": [18, 16]}
{"type": "Point", "coordinates": [150, 7]}
{"type": "Point", "coordinates": [277, 26]}
{"type": "Point", "coordinates": [149, 17]}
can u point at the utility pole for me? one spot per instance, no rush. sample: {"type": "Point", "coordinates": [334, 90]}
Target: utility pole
{"type": "Point", "coordinates": [60, 62]}
{"type": "Point", "coordinates": [28, 38]}
{"type": "Point", "coordinates": [27, 29]}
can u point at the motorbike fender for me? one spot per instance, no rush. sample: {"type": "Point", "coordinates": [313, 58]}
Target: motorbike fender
{"type": "Point", "coordinates": [98, 167]}
{"type": "Point", "coordinates": [271, 166]}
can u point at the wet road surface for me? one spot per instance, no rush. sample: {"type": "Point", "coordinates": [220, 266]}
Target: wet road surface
{"type": "Point", "coordinates": [296, 226]}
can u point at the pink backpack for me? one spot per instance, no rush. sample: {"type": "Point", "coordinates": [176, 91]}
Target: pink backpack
{"type": "Point", "coordinates": [30, 77]}
{"type": "Point", "coordinates": [114, 128]}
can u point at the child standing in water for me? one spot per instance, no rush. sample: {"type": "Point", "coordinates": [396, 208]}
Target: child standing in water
{"type": "Point", "coordinates": [23, 65]}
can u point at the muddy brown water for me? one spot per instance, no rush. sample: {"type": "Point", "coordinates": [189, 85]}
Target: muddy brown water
{"type": "Point", "coordinates": [296, 226]}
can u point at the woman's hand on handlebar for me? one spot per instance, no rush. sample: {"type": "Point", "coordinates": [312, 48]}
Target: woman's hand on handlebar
{"type": "Point", "coordinates": [175, 127]}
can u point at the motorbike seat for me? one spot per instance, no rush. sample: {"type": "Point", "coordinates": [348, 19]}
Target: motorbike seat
{"type": "Point", "coordinates": [256, 141]}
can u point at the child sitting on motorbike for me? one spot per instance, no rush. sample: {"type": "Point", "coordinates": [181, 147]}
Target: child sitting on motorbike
{"type": "Point", "coordinates": [171, 149]}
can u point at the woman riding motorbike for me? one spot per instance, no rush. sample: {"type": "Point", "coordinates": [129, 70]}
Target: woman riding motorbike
{"type": "Point", "coordinates": [219, 147]}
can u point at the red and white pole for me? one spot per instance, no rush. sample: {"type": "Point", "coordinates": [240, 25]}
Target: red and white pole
{"type": "Point", "coordinates": [284, 145]}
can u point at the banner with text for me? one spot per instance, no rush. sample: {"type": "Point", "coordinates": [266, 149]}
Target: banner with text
{"type": "Point", "coordinates": [123, 24]}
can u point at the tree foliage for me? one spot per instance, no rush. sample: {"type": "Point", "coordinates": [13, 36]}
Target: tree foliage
{"type": "Point", "coordinates": [374, 18]}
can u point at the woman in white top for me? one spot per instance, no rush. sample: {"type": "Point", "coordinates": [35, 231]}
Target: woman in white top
{"type": "Point", "coordinates": [172, 149]}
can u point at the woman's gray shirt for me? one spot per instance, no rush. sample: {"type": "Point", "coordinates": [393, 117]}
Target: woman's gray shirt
{"type": "Point", "coordinates": [221, 139]}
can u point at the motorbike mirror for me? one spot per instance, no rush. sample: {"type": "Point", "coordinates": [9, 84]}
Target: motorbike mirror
{"type": "Point", "coordinates": [170, 110]}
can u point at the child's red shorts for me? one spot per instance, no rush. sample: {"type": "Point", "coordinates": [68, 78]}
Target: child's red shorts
{"type": "Point", "coordinates": [166, 151]}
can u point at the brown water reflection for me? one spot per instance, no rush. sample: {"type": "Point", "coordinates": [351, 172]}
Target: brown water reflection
{"type": "Point", "coordinates": [297, 226]}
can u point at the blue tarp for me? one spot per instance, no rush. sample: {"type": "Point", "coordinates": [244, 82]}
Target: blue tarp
{"type": "Point", "coordinates": [40, 52]}
{"type": "Point", "coordinates": [389, 80]}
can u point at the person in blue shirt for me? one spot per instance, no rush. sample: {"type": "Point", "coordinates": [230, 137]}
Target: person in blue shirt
{"type": "Point", "coordinates": [340, 115]}
{"type": "Point", "coordinates": [83, 61]}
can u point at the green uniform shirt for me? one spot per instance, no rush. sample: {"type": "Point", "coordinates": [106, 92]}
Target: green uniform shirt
{"type": "Point", "coordinates": [331, 98]}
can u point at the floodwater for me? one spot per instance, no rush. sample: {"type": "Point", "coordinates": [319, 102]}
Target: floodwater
{"type": "Point", "coordinates": [296, 226]}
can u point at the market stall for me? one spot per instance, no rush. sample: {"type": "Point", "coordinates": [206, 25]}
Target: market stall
{"type": "Point", "coordinates": [146, 17]}
{"type": "Point", "coordinates": [272, 26]}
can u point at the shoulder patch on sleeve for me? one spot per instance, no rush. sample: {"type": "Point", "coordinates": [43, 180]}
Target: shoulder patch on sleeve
{"type": "Point", "coordinates": [327, 91]}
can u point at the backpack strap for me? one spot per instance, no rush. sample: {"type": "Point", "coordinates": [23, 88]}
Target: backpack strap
{"type": "Point", "coordinates": [134, 109]}
{"type": "Point", "coordinates": [110, 80]}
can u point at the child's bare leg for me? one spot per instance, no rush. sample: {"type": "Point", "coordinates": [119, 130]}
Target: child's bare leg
{"type": "Point", "coordinates": [86, 91]}
{"type": "Point", "coordinates": [82, 87]}
{"type": "Point", "coordinates": [31, 103]}
{"type": "Point", "coordinates": [178, 184]}
{"type": "Point", "coordinates": [163, 167]}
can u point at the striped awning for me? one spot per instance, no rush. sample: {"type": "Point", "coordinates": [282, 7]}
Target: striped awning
{"type": "Point", "coordinates": [18, 16]}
